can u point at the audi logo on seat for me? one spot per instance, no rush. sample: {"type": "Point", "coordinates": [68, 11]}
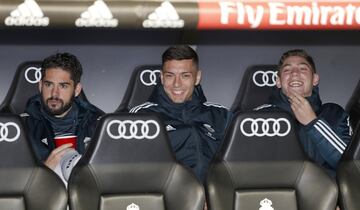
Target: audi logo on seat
{"type": "Point", "coordinates": [265, 78]}
{"type": "Point", "coordinates": [5, 131]}
{"type": "Point", "coordinates": [149, 77]}
{"type": "Point", "coordinates": [33, 75]}
{"type": "Point", "coordinates": [265, 127]}
{"type": "Point", "coordinates": [138, 129]}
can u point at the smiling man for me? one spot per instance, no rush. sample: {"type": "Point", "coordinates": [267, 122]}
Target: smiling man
{"type": "Point", "coordinates": [324, 129]}
{"type": "Point", "coordinates": [58, 112]}
{"type": "Point", "coordinates": [195, 126]}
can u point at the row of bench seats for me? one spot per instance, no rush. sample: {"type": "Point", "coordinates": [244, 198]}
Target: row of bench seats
{"type": "Point", "coordinates": [140, 86]}
{"type": "Point", "coordinates": [128, 169]}
{"type": "Point", "coordinates": [256, 86]}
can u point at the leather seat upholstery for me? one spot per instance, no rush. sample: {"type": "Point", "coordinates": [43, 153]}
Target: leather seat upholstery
{"type": "Point", "coordinates": [353, 107]}
{"type": "Point", "coordinates": [256, 87]}
{"type": "Point", "coordinates": [262, 166]}
{"type": "Point", "coordinates": [129, 165]}
{"type": "Point", "coordinates": [24, 184]}
{"type": "Point", "coordinates": [141, 85]}
{"type": "Point", "coordinates": [348, 174]}
{"type": "Point", "coordinates": [24, 86]}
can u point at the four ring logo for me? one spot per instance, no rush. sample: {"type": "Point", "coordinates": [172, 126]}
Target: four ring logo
{"type": "Point", "coordinates": [265, 78]}
{"type": "Point", "coordinates": [5, 131]}
{"type": "Point", "coordinates": [265, 127]}
{"type": "Point", "coordinates": [138, 129]}
{"type": "Point", "coordinates": [151, 79]}
{"type": "Point", "coordinates": [35, 75]}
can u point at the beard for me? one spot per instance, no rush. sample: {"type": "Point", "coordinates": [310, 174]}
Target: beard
{"type": "Point", "coordinates": [57, 111]}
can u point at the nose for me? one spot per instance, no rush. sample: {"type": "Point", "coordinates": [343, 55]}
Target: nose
{"type": "Point", "coordinates": [295, 71]}
{"type": "Point", "coordinates": [55, 91]}
{"type": "Point", "coordinates": [177, 81]}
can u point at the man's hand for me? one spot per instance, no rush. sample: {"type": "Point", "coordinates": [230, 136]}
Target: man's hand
{"type": "Point", "coordinates": [55, 156]}
{"type": "Point", "coordinates": [301, 108]}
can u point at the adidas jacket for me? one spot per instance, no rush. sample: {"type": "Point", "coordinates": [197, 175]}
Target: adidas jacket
{"type": "Point", "coordinates": [40, 131]}
{"type": "Point", "coordinates": [195, 128]}
{"type": "Point", "coordinates": [324, 139]}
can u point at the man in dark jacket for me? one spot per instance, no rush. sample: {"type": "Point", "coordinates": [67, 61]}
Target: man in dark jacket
{"type": "Point", "coordinates": [195, 126]}
{"type": "Point", "coordinates": [57, 111]}
{"type": "Point", "coordinates": [324, 129]}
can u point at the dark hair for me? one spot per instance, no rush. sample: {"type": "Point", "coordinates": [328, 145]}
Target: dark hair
{"type": "Point", "coordinates": [297, 52]}
{"type": "Point", "coordinates": [64, 61]}
{"type": "Point", "coordinates": [180, 52]}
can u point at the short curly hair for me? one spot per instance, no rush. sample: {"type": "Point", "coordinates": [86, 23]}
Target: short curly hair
{"type": "Point", "coordinates": [64, 61]}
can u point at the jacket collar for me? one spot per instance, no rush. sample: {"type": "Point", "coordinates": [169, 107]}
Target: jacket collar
{"type": "Point", "coordinates": [279, 99]}
{"type": "Point", "coordinates": [34, 107]}
{"type": "Point", "coordinates": [175, 109]}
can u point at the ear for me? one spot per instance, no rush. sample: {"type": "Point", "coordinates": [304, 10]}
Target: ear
{"type": "Point", "coordinates": [278, 82]}
{"type": "Point", "coordinates": [162, 77]}
{"type": "Point", "coordinates": [78, 89]}
{"type": "Point", "coordinates": [40, 85]}
{"type": "Point", "coordinates": [198, 77]}
{"type": "Point", "coordinates": [316, 79]}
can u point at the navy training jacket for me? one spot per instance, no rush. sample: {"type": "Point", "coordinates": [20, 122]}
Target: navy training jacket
{"type": "Point", "coordinates": [40, 131]}
{"type": "Point", "coordinates": [196, 128]}
{"type": "Point", "coordinates": [325, 139]}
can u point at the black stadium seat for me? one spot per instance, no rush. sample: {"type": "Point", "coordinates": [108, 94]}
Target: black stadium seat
{"type": "Point", "coordinates": [129, 165]}
{"type": "Point", "coordinates": [141, 84]}
{"type": "Point", "coordinates": [23, 86]}
{"type": "Point", "coordinates": [348, 174]}
{"type": "Point", "coordinates": [261, 165]}
{"type": "Point", "coordinates": [256, 86]}
{"type": "Point", "coordinates": [23, 183]}
{"type": "Point", "coordinates": [353, 106]}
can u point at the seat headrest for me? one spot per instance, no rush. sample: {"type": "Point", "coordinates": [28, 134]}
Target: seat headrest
{"type": "Point", "coordinates": [257, 84]}
{"type": "Point", "coordinates": [141, 85]}
{"type": "Point", "coordinates": [353, 106]}
{"type": "Point", "coordinates": [15, 149]}
{"type": "Point", "coordinates": [24, 86]}
{"type": "Point", "coordinates": [352, 151]}
{"type": "Point", "coordinates": [261, 136]}
{"type": "Point", "coordinates": [125, 138]}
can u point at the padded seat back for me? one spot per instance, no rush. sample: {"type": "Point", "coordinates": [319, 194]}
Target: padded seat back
{"type": "Point", "coordinates": [348, 174]}
{"type": "Point", "coordinates": [353, 107]}
{"type": "Point", "coordinates": [24, 185]}
{"type": "Point", "coordinates": [262, 166]}
{"type": "Point", "coordinates": [129, 165]}
{"type": "Point", "coordinates": [141, 85]}
{"type": "Point", "coordinates": [24, 86]}
{"type": "Point", "coordinates": [256, 86]}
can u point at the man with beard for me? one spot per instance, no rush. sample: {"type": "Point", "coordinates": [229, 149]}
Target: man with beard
{"type": "Point", "coordinates": [324, 129]}
{"type": "Point", "coordinates": [57, 111]}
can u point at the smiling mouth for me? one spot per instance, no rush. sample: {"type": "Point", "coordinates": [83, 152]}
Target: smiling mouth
{"type": "Point", "coordinates": [295, 84]}
{"type": "Point", "coordinates": [177, 92]}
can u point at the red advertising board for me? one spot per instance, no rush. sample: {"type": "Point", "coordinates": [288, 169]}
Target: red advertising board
{"type": "Point", "coordinates": [285, 15]}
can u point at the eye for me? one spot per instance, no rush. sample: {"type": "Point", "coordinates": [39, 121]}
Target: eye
{"type": "Point", "coordinates": [186, 76]}
{"type": "Point", "coordinates": [47, 84]}
{"type": "Point", "coordinates": [304, 68]}
{"type": "Point", "coordinates": [286, 70]}
{"type": "Point", "coordinates": [168, 75]}
{"type": "Point", "coordinates": [64, 86]}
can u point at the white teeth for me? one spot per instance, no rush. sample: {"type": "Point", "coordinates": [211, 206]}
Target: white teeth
{"type": "Point", "coordinates": [177, 92]}
{"type": "Point", "coordinates": [295, 84]}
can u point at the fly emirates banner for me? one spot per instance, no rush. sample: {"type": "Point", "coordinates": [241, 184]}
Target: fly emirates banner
{"type": "Point", "coordinates": [287, 15]}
